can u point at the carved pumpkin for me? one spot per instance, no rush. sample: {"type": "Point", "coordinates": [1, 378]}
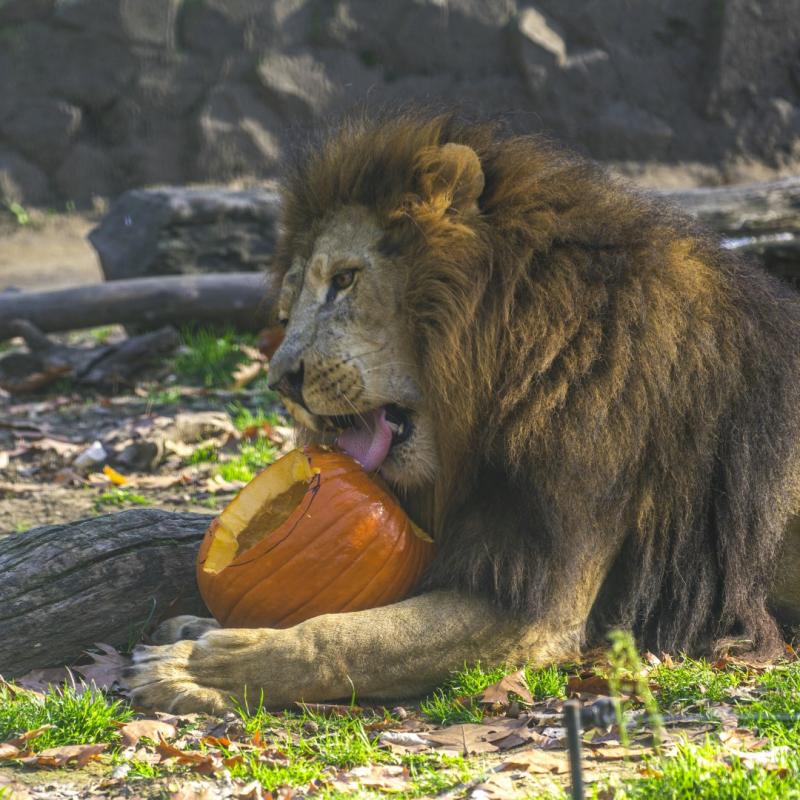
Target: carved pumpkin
{"type": "Point", "coordinates": [312, 534]}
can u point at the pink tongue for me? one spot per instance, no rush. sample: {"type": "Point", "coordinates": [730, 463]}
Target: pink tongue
{"type": "Point", "coordinates": [369, 440]}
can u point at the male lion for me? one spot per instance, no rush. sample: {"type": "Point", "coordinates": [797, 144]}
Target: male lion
{"type": "Point", "coordinates": [592, 407]}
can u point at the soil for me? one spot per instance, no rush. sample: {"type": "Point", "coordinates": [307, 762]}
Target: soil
{"type": "Point", "coordinates": [39, 485]}
{"type": "Point", "coordinates": [49, 252]}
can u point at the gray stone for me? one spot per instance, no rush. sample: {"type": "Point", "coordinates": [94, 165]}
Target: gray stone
{"type": "Point", "coordinates": [177, 230]}
{"type": "Point", "coordinates": [637, 131]}
{"type": "Point", "coordinates": [16, 11]}
{"type": "Point", "coordinates": [539, 49]}
{"type": "Point", "coordinates": [296, 85]}
{"type": "Point", "coordinates": [21, 181]}
{"type": "Point", "coordinates": [42, 129]}
{"type": "Point", "coordinates": [149, 22]}
{"type": "Point", "coordinates": [87, 69]}
{"type": "Point", "coordinates": [238, 134]}
{"type": "Point", "coordinates": [424, 37]}
{"type": "Point", "coordinates": [85, 173]}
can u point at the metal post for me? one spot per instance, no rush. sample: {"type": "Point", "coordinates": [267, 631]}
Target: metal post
{"type": "Point", "coordinates": [572, 722]}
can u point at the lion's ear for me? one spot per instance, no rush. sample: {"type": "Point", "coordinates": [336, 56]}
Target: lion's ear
{"type": "Point", "coordinates": [450, 177]}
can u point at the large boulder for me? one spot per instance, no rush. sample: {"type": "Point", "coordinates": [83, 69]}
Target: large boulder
{"type": "Point", "coordinates": [21, 181]}
{"type": "Point", "coordinates": [180, 230]}
{"type": "Point", "coordinates": [238, 134]}
{"type": "Point", "coordinates": [42, 129]}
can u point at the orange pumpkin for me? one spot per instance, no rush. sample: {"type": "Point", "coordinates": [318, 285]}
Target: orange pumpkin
{"type": "Point", "coordinates": [312, 534]}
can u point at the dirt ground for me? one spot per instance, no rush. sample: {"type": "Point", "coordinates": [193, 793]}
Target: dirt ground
{"type": "Point", "coordinates": [50, 252]}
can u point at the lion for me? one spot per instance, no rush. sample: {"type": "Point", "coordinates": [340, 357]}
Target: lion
{"type": "Point", "coordinates": [591, 405]}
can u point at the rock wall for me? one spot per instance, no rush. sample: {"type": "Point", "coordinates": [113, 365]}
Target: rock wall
{"type": "Point", "coordinates": [98, 96]}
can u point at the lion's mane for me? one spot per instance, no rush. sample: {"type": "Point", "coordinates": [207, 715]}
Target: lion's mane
{"type": "Point", "coordinates": [604, 377]}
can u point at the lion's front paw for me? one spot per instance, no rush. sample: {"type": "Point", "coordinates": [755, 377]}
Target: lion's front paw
{"type": "Point", "coordinates": [168, 678]}
{"type": "Point", "coordinates": [186, 626]}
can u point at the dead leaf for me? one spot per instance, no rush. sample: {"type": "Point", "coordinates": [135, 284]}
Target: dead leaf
{"type": "Point", "coordinates": [245, 374]}
{"type": "Point", "coordinates": [152, 729]}
{"type": "Point", "coordinates": [115, 477]}
{"type": "Point", "coordinates": [499, 692]}
{"type": "Point", "coordinates": [539, 762]}
{"type": "Point", "coordinates": [616, 753]}
{"type": "Point", "coordinates": [207, 763]}
{"type": "Point", "coordinates": [773, 759]}
{"type": "Point", "coordinates": [78, 754]}
{"type": "Point", "coordinates": [403, 742]}
{"type": "Point", "coordinates": [593, 684]}
{"type": "Point", "coordinates": [9, 751]}
{"type": "Point", "coordinates": [495, 787]}
{"type": "Point", "coordinates": [387, 778]}
{"type": "Point", "coordinates": [18, 741]}
{"type": "Point", "coordinates": [488, 737]}
{"type": "Point", "coordinates": [40, 680]}
{"type": "Point", "coordinates": [14, 690]}
{"type": "Point", "coordinates": [107, 667]}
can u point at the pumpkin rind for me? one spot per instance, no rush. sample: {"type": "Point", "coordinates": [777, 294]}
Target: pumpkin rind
{"type": "Point", "coordinates": [348, 546]}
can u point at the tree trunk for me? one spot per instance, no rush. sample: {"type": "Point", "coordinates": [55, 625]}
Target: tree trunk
{"type": "Point", "coordinates": [241, 299]}
{"type": "Point", "coordinates": [107, 579]}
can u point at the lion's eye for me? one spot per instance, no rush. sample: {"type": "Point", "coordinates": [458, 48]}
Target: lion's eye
{"type": "Point", "coordinates": [341, 281]}
{"type": "Point", "coordinates": [283, 321]}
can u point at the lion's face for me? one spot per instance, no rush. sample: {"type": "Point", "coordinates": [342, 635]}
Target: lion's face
{"type": "Point", "coordinates": [346, 368]}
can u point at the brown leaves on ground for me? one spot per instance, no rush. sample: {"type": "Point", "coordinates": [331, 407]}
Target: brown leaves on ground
{"type": "Point", "coordinates": [106, 668]}
{"type": "Point", "coordinates": [78, 755]}
{"type": "Point", "coordinates": [512, 684]}
{"type": "Point", "coordinates": [153, 729]}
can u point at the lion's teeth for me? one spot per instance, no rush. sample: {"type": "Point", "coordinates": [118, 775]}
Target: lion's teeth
{"type": "Point", "coordinates": [395, 428]}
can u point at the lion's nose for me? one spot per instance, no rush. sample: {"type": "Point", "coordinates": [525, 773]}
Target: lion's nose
{"type": "Point", "coordinates": [289, 384]}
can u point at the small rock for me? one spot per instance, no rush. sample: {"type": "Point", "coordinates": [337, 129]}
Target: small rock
{"type": "Point", "coordinates": [92, 456]}
{"type": "Point", "coordinates": [310, 727]}
{"type": "Point", "coordinates": [120, 771]}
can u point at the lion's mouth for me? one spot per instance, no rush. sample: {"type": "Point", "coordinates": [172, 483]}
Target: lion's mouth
{"type": "Point", "coordinates": [369, 436]}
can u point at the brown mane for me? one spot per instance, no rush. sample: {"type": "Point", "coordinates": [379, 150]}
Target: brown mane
{"type": "Point", "coordinates": [603, 375]}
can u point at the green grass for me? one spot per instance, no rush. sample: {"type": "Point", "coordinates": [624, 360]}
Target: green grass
{"type": "Point", "coordinates": [456, 701]}
{"type": "Point", "coordinates": [157, 396]}
{"type": "Point", "coordinates": [118, 497]}
{"type": "Point", "coordinates": [85, 718]}
{"type": "Point", "coordinates": [209, 358]}
{"type": "Point", "coordinates": [708, 770]}
{"type": "Point", "coordinates": [692, 680]}
{"type": "Point", "coordinates": [776, 714]}
{"type": "Point", "coordinates": [204, 454]}
{"type": "Point", "coordinates": [252, 458]}
{"type": "Point", "coordinates": [697, 771]}
{"type": "Point", "coordinates": [243, 418]}
{"type": "Point", "coordinates": [313, 743]}
{"type": "Point", "coordinates": [20, 213]}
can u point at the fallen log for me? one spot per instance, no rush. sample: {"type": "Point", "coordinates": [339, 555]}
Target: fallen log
{"type": "Point", "coordinates": [103, 366]}
{"type": "Point", "coordinates": [107, 579]}
{"type": "Point", "coordinates": [112, 578]}
{"type": "Point", "coordinates": [242, 300]}
{"type": "Point", "coordinates": [758, 219]}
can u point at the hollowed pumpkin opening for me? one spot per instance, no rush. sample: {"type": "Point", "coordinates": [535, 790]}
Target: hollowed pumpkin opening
{"type": "Point", "coordinates": [260, 508]}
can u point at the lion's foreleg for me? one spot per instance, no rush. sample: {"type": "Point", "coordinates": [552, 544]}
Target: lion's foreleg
{"type": "Point", "coordinates": [403, 650]}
